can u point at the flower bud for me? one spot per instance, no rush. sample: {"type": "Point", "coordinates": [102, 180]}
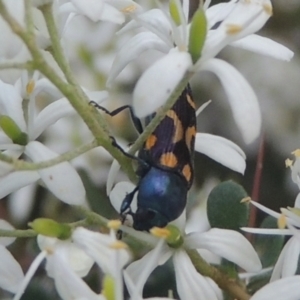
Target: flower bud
{"type": "Point", "coordinates": [49, 227]}
{"type": "Point", "coordinates": [13, 131]}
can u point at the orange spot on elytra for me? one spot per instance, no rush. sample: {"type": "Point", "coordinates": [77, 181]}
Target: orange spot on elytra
{"type": "Point", "coordinates": [187, 173]}
{"type": "Point", "coordinates": [169, 160]}
{"type": "Point", "coordinates": [190, 101]}
{"type": "Point", "coordinates": [189, 136]}
{"type": "Point", "coordinates": [178, 134]}
{"type": "Point", "coordinates": [150, 142]}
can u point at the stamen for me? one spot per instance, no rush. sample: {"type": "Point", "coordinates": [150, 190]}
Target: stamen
{"type": "Point", "coordinates": [129, 9]}
{"type": "Point", "coordinates": [246, 200]}
{"type": "Point", "coordinates": [233, 29]}
{"type": "Point", "coordinates": [288, 163]}
{"type": "Point", "coordinates": [114, 224]}
{"type": "Point", "coordinates": [281, 222]}
{"type": "Point", "coordinates": [160, 232]}
{"type": "Point", "coordinates": [30, 86]}
{"type": "Point", "coordinates": [118, 245]}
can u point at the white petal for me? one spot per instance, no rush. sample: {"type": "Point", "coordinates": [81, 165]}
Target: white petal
{"type": "Point", "coordinates": [241, 96]}
{"type": "Point", "coordinates": [285, 265]}
{"type": "Point", "coordinates": [273, 231]}
{"type": "Point", "coordinates": [100, 247]}
{"type": "Point", "coordinates": [155, 21]}
{"type": "Point", "coordinates": [93, 9]}
{"type": "Point", "coordinates": [221, 150]}
{"type": "Point", "coordinates": [11, 274]}
{"type": "Point", "coordinates": [77, 259]}
{"type": "Point", "coordinates": [118, 194]}
{"type": "Point", "coordinates": [250, 16]}
{"type": "Point", "coordinates": [25, 195]}
{"type": "Point", "coordinates": [11, 104]}
{"type": "Point", "coordinates": [229, 244]}
{"type": "Point", "coordinates": [59, 109]}
{"type": "Point", "coordinates": [140, 270]}
{"type": "Point", "coordinates": [287, 288]}
{"type": "Point", "coordinates": [50, 114]}
{"type": "Point", "coordinates": [5, 241]}
{"type": "Point", "coordinates": [68, 284]}
{"type": "Point", "coordinates": [62, 179]}
{"type": "Point", "coordinates": [112, 14]}
{"type": "Point", "coordinates": [113, 171]}
{"type": "Point", "coordinates": [191, 284]}
{"type": "Point", "coordinates": [159, 81]}
{"type": "Point", "coordinates": [14, 181]}
{"type": "Point", "coordinates": [10, 43]}
{"type": "Point", "coordinates": [140, 43]}
{"type": "Point", "coordinates": [265, 46]}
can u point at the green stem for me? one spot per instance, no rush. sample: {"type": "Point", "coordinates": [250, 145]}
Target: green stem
{"type": "Point", "coordinates": [18, 233]}
{"type": "Point", "coordinates": [28, 17]}
{"type": "Point", "coordinates": [13, 65]}
{"type": "Point", "coordinates": [161, 113]}
{"type": "Point", "coordinates": [91, 217]}
{"type": "Point", "coordinates": [222, 280]}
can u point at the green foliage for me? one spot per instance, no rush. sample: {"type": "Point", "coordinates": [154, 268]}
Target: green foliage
{"type": "Point", "coordinates": [224, 207]}
{"type": "Point", "coordinates": [268, 247]}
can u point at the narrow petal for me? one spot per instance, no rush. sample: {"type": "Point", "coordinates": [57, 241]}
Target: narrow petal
{"type": "Point", "coordinates": [111, 14]}
{"type": "Point", "coordinates": [68, 284]}
{"type": "Point", "coordinates": [273, 231]}
{"type": "Point", "coordinates": [14, 181]}
{"type": "Point", "coordinates": [11, 274]}
{"type": "Point", "coordinates": [140, 270]}
{"type": "Point", "coordinates": [11, 104]}
{"type": "Point", "coordinates": [59, 109]}
{"type": "Point", "coordinates": [62, 179]}
{"type": "Point", "coordinates": [140, 43]}
{"type": "Point", "coordinates": [100, 247]}
{"type": "Point", "coordinates": [91, 8]}
{"type": "Point", "coordinates": [159, 81]}
{"type": "Point", "coordinates": [265, 46]}
{"type": "Point", "coordinates": [287, 288]}
{"type": "Point", "coordinates": [241, 96]}
{"type": "Point", "coordinates": [221, 150]}
{"type": "Point", "coordinates": [113, 171]}
{"type": "Point", "coordinates": [228, 244]}
{"type": "Point", "coordinates": [286, 266]}
{"type": "Point", "coordinates": [191, 284]}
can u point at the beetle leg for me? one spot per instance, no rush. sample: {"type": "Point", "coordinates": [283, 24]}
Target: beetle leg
{"type": "Point", "coordinates": [136, 121]}
{"type": "Point", "coordinates": [125, 207]}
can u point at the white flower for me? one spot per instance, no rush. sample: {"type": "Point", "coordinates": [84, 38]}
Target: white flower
{"type": "Point", "coordinates": [104, 10]}
{"type": "Point", "coordinates": [11, 274]}
{"type": "Point", "coordinates": [227, 24]}
{"type": "Point", "coordinates": [286, 264]}
{"type": "Point", "coordinates": [190, 284]}
{"type": "Point", "coordinates": [67, 261]}
{"type": "Point", "coordinates": [62, 179]}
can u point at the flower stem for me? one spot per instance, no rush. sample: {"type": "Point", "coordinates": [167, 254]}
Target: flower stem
{"type": "Point", "coordinates": [161, 113]}
{"type": "Point", "coordinates": [225, 283]}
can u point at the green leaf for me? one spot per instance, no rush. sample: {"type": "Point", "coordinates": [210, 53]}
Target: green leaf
{"type": "Point", "coordinates": [268, 247]}
{"type": "Point", "coordinates": [224, 207]}
{"type": "Point", "coordinates": [49, 227]}
{"type": "Point", "coordinates": [198, 31]}
{"type": "Point", "coordinates": [12, 130]}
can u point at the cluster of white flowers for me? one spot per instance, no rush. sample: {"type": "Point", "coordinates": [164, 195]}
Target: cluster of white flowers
{"type": "Point", "coordinates": [23, 120]}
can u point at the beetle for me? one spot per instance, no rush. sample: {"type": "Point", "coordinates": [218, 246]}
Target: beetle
{"type": "Point", "coordinates": [165, 165]}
